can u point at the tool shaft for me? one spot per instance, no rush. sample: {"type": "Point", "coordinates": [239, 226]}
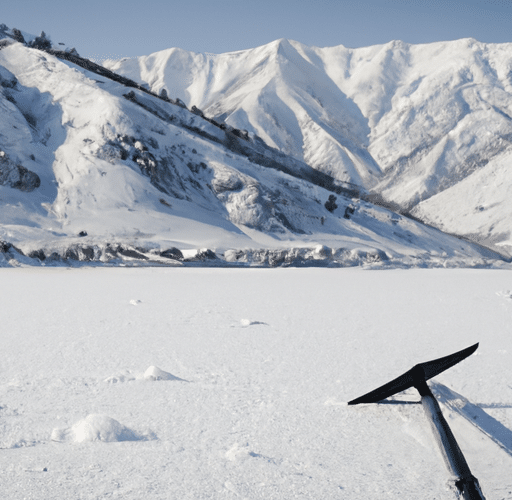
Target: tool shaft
{"type": "Point", "coordinates": [455, 461]}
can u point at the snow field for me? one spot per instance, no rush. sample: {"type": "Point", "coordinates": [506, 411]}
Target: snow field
{"type": "Point", "coordinates": [266, 360]}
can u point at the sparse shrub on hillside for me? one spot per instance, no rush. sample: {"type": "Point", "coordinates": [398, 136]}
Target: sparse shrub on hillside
{"type": "Point", "coordinates": [180, 103]}
{"type": "Point", "coordinates": [197, 111]}
{"type": "Point", "coordinates": [330, 204]}
{"type": "Point", "coordinates": [349, 211]}
{"type": "Point", "coordinates": [163, 95]}
{"type": "Point", "coordinates": [243, 134]}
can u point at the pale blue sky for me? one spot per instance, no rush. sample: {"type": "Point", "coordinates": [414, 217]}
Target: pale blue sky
{"type": "Point", "coordinates": [104, 28]}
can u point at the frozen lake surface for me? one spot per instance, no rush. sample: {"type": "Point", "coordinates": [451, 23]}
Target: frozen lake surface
{"type": "Point", "coordinates": [193, 383]}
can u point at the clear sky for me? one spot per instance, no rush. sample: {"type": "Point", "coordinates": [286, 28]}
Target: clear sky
{"type": "Point", "coordinates": [102, 29]}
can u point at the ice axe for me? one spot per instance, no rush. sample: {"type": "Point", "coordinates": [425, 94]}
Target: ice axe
{"type": "Point", "coordinates": [417, 377]}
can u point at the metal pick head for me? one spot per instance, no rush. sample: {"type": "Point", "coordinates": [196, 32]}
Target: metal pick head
{"type": "Point", "coordinates": [418, 373]}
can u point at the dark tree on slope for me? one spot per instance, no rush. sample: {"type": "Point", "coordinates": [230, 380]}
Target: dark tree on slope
{"type": "Point", "coordinates": [16, 34]}
{"type": "Point", "coordinates": [41, 42]}
{"type": "Point", "coordinates": [330, 204]}
{"type": "Point", "coordinates": [350, 210]}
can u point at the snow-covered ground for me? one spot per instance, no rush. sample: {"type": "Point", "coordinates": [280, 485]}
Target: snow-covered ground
{"type": "Point", "coordinates": [232, 383]}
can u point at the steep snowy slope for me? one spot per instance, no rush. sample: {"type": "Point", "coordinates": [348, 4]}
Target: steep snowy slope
{"type": "Point", "coordinates": [409, 121]}
{"type": "Point", "coordinates": [479, 206]}
{"type": "Point", "coordinates": [100, 163]}
{"type": "Point", "coordinates": [274, 91]}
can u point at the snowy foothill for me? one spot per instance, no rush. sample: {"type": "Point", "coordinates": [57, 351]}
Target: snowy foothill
{"type": "Point", "coordinates": [227, 383]}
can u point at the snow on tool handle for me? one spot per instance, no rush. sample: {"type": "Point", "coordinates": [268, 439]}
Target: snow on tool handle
{"type": "Point", "coordinates": [417, 377]}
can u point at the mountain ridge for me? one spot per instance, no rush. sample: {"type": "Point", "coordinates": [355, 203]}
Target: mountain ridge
{"type": "Point", "coordinates": [421, 118]}
{"type": "Point", "coordinates": [128, 174]}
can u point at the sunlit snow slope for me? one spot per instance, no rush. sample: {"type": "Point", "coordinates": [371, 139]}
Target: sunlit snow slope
{"type": "Point", "coordinates": [409, 121]}
{"type": "Point", "coordinates": [279, 91]}
{"type": "Point", "coordinates": [86, 160]}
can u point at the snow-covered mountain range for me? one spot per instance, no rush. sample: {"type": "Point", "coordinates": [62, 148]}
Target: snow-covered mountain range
{"type": "Point", "coordinates": [427, 127]}
{"type": "Point", "coordinates": [96, 167]}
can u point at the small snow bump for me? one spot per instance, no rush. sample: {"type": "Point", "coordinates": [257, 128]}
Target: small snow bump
{"type": "Point", "coordinates": [248, 322]}
{"type": "Point", "coordinates": [155, 373]}
{"type": "Point", "coordinates": [97, 427]}
{"type": "Point", "coordinates": [237, 452]}
{"type": "Point", "coordinates": [135, 302]}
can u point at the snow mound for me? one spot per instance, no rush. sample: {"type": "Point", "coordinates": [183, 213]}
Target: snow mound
{"type": "Point", "coordinates": [155, 373]}
{"type": "Point", "coordinates": [247, 322]}
{"type": "Point", "coordinates": [96, 428]}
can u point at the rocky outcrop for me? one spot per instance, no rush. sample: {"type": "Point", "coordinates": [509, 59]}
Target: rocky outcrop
{"type": "Point", "coordinates": [17, 176]}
